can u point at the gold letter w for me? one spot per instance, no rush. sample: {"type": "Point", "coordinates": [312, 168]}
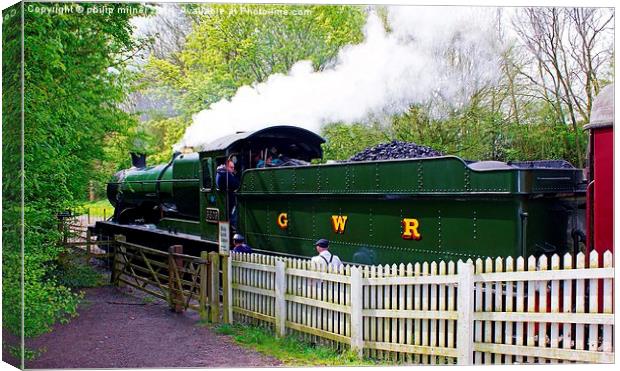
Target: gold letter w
{"type": "Point", "coordinates": [339, 223]}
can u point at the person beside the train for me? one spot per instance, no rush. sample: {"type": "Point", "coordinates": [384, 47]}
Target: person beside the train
{"type": "Point", "coordinates": [226, 180]}
{"type": "Point", "coordinates": [240, 245]}
{"type": "Point", "coordinates": [325, 257]}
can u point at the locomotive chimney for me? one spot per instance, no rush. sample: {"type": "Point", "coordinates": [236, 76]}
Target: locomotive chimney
{"type": "Point", "coordinates": [138, 160]}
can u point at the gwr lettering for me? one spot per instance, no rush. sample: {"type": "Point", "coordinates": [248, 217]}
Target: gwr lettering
{"type": "Point", "coordinates": [339, 223]}
{"type": "Point", "coordinates": [282, 220]}
{"type": "Point", "coordinates": [410, 229]}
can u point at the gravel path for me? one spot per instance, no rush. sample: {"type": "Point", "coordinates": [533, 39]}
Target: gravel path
{"type": "Point", "coordinates": [119, 328]}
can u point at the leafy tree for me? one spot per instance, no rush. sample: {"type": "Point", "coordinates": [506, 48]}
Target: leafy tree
{"type": "Point", "coordinates": [474, 133]}
{"type": "Point", "coordinates": [231, 45]}
{"type": "Point", "coordinates": [569, 51]}
{"type": "Point", "coordinates": [74, 81]}
{"type": "Point", "coordinates": [11, 168]}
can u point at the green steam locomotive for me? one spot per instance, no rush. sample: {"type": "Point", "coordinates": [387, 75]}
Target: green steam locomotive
{"type": "Point", "coordinates": [373, 212]}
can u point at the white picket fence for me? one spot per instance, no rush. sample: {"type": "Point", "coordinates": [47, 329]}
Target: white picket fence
{"type": "Point", "coordinates": [483, 312]}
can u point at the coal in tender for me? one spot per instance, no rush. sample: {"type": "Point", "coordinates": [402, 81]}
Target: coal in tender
{"type": "Point", "coordinates": [395, 150]}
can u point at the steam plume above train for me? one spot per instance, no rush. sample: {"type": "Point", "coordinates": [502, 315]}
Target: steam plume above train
{"type": "Point", "coordinates": [429, 54]}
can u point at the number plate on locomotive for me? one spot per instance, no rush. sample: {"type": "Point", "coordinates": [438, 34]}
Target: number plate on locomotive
{"type": "Point", "coordinates": [212, 215]}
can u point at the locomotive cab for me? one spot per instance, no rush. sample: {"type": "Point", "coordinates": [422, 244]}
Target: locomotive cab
{"type": "Point", "coordinates": [292, 146]}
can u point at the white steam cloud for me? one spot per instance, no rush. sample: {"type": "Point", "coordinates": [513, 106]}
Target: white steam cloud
{"type": "Point", "coordinates": [430, 53]}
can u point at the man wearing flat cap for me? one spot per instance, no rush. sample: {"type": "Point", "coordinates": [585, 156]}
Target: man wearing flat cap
{"type": "Point", "coordinates": [325, 257]}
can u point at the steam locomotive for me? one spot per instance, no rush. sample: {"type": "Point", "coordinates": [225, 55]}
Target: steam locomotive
{"type": "Point", "coordinates": [373, 212]}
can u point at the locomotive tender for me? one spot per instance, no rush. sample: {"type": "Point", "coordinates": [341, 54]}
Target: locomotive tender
{"type": "Point", "coordinates": [373, 212]}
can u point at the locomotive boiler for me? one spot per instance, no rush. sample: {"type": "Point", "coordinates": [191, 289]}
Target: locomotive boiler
{"type": "Point", "coordinates": [373, 212]}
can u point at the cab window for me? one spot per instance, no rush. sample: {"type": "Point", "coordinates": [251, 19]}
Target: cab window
{"type": "Point", "coordinates": [207, 176]}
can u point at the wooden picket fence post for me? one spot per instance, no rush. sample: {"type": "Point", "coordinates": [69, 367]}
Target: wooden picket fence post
{"type": "Point", "coordinates": [357, 339]}
{"type": "Point", "coordinates": [465, 321]}
{"type": "Point", "coordinates": [280, 288]}
{"type": "Point", "coordinates": [214, 291]}
{"type": "Point", "coordinates": [227, 288]}
{"type": "Point", "coordinates": [204, 278]}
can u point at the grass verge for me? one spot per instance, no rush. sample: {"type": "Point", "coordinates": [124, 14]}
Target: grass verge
{"type": "Point", "coordinates": [97, 208]}
{"type": "Point", "coordinates": [291, 350]}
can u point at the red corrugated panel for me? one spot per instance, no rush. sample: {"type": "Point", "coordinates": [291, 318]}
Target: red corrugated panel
{"type": "Point", "coordinates": [603, 190]}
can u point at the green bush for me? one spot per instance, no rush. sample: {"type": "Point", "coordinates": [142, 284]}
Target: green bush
{"type": "Point", "coordinates": [71, 109]}
{"type": "Point", "coordinates": [29, 354]}
{"type": "Point", "coordinates": [45, 299]}
{"type": "Point", "coordinates": [46, 303]}
{"type": "Point", "coordinates": [75, 274]}
{"type": "Point", "coordinates": [343, 141]}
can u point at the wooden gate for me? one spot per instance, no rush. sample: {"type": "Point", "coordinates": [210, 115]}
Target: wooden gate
{"type": "Point", "coordinates": [184, 281]}
{"type": "Point", "coordinates": [76, 234]}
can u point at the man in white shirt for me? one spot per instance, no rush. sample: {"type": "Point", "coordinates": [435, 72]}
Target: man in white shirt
{"type": "Point", "coordinates": [325, 258]}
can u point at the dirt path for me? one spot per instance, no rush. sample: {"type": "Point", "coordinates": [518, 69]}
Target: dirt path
{"type": "Point", "coordinates": [121, 329]}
